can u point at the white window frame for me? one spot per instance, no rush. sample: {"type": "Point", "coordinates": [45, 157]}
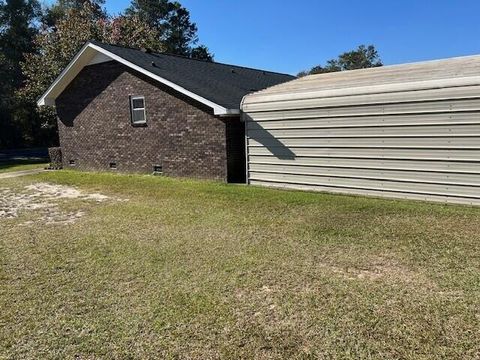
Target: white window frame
{"type": "Point", "coordinates": [132, 109]}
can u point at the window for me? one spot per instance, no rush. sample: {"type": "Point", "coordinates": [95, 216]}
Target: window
{"type": "Point", "coordinates": [137, 110]}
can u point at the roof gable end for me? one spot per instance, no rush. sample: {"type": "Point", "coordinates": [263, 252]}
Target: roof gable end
{"type": "Point", "coordinates": [92, 53]}
{"type": "Point", "coordinates": [218, 86]}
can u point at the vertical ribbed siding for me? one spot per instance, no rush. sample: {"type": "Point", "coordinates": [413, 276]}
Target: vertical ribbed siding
{"type": "Point", "coordinates": [410, 144]}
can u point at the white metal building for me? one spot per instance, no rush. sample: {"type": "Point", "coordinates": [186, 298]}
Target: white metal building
{"type": "Point", "coordinates": [407, 131]}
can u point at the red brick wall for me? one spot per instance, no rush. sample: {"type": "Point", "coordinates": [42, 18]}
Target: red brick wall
{"type": "Point", "coordinates": [95, 128]}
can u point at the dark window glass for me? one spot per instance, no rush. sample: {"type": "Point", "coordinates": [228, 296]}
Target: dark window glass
{"type": "Point", "coordinates": [138, 115]}
{"type": "Point", "coordinates": [138, 103]}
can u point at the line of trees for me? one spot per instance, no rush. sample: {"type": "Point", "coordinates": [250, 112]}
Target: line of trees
{"type": "Point", "coordinates": [360, 58]}
{"type": "Point", "coordinates": [37, 42]}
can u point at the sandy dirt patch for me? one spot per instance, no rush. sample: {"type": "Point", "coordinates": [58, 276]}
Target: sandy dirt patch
{"type": "Point", "coordinates": [44, 198]}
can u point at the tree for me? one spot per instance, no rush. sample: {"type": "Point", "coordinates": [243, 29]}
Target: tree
{"type": "Point", "coordinates": [58, 10]}
{"type": "Point", "coordinates": [16, 32]}
{"type": "Point", "coordinates": [8, 131]}
{"type": "Point", "coordinates": [35, 46]}
{"type": "Point", "coordinates": [172, 20]}
{"type": "Point", "coordinates": [201, 52]}
{"type": "Point", "coordinates": [17, 29]}
{"type": "Point", "coordinates": [361, 58]}
{"type": "Point", "coordinates": [56, 46]}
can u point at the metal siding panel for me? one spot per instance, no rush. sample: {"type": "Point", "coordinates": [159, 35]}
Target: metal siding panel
{"type": "Point", "coordinates": [444, 106]}
{"type": "Point", "coordinates": [424, 150]}
{"type": "Point", "coordinates": [451, 178]}
{"type": "Point", "coordinates": [423, 142]}
{"type": "Point", "coordinates": [371, 94]}
{"type": "Point", "coordinates": [371, 184]}
{"type": "Point", "coordinates": [368, 121]}
{"type": "Point", "coordinates": [370, 153]}
{"type": "Point", "coordinates": [375, 163]}
{"type": "Point", "coordinates": [378, 193]}
{"type": "Point", "coordinates": [388, 98]}
{"type": "Point", "coordinates": [368, 131]}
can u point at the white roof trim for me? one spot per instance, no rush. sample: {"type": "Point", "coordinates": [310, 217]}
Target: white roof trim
{"type": "Point", "coordinates": [99, 58]}
{"type": "Point", "coordinates": [73, 68]}
{"type": "Point", "coordinates": [45, 99]}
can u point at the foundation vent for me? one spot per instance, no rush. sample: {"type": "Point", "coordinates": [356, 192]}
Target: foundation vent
{"type": "Point", "coordinates": [157, 170]}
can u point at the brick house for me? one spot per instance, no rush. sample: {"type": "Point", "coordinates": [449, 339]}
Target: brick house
{"type": "Point", "coordinates": [131, 110]}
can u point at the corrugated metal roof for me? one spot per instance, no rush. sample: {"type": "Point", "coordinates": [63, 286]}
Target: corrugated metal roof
{"type": "Point", "coordinates": [460, 71]}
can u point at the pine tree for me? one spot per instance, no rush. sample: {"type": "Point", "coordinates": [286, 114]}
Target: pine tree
{"type": "Point", "coordinates": [178, 33]}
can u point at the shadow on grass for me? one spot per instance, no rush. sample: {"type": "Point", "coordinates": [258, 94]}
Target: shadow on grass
{"type": "Point", "coordinates": [18, 163]}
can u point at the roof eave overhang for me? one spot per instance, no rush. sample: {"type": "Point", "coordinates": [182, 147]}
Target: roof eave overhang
{"type": "Point", "coordinates": [48, 97]}
{"type": "Point", "coordinates": [229, 112]}
{"type": "Point", "coordinates": [86, 54]}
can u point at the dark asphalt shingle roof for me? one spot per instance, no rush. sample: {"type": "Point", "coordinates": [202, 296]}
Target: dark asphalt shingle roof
{"type": "Point", "coordinates": [220, 83]}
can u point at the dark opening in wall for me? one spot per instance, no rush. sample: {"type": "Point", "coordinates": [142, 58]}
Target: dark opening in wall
{"type": "Point", "coordinates": [113, 165]}
{"type": "Point", "coordinates": [71, 162]}
{"type": "Point", "coordinates": [235, 133]}
{"type": "Point", "coordinates": [157, 170]}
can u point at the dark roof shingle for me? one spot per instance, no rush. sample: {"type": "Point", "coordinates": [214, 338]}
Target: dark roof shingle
{"type": "Point", "coordinates": [222, 84]}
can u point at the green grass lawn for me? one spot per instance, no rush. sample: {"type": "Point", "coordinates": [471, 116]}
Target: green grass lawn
{"type": "Point", "coordinates": [202, 270]}
{"type": "Point", "coordinates": [21, 165]}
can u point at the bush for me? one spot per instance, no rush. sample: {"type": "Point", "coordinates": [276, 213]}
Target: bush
{"type": "Point", "coordinates": [55, 154]}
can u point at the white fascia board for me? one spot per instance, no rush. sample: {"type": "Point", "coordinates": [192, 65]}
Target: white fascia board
{"type": "Point", "coordinates": [230, 112]}
{"type": "Point", "coordinates": [44, 99]}
{"type": "Point", "coordinates": [217, 109]}
{"type": "Point", "coordinates": [99, 58]}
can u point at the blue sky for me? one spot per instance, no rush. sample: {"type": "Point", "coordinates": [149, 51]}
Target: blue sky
{"type": "Point", "coordinates": [289, 36]}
